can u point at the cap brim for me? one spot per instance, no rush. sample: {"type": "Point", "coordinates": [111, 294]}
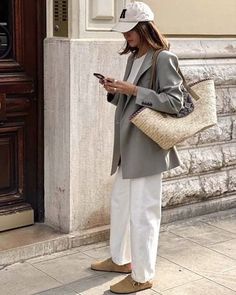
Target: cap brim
{"type": "Point", "coordinates": [124, 27]}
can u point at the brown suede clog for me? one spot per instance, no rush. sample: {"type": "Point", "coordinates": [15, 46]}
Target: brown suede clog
{"type": "Point", "coordinates": [110, 266]}
{"type": "Point", "coordinates": [128, 285]}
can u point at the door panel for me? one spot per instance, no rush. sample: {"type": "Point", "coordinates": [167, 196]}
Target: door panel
{"type": "Point", "coordinates": [2, 108]}
{"type": "Point", "coordinates": [5, 161]}
{"type": "Point", "coordinates": [12, 159]}
{"type": "Point", "coordinates": [22, 30]}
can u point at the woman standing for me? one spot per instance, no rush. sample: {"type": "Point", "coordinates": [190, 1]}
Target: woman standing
{"type": "Point", "coordinates": [136, 195]}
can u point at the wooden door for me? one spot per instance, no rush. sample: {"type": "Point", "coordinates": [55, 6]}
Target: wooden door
{"type": "Point", "coordinates": [22, 30]}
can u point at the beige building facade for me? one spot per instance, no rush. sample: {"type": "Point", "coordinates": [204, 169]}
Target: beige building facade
{"type": "Point", "coordinates": [78, 122]}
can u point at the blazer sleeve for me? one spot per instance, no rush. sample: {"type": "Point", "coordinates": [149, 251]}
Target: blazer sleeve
{"type": "Point", "coordinates": [113, 98]}
{"type": "Point", "coordinates": [169, 97]}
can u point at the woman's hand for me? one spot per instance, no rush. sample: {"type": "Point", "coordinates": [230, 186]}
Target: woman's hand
{"type": "Point", "coordinates": [115, 86]}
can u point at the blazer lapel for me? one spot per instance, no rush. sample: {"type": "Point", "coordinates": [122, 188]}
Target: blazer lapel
{"type": "Point", "coordinates": [147, 63]}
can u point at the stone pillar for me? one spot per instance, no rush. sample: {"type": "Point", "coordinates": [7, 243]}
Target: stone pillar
{"type": "Point", "coordinates": [78, 120]}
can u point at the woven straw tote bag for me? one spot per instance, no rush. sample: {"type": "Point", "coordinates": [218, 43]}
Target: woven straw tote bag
{"type": "Point", "coordinates": [168, 130]}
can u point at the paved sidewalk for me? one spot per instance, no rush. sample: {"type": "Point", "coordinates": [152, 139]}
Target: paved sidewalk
{"type": "Point", "coordinates": [195, 257]}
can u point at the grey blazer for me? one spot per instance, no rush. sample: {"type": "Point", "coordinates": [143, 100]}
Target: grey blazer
{"type": "Point", "coordinates": [139, 155]}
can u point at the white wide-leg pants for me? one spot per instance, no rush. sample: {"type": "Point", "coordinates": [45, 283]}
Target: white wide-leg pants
{"type": "Point", "coordinates": [135, 223]}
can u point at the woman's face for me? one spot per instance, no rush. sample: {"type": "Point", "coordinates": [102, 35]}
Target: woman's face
{"type": "Point", "coordinates": [133, 39]}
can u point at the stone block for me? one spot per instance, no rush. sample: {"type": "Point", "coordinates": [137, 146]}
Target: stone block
{"type": "Point", "coordinates": [229, 154]}
{"type": "Point", "coordinates": [181, 191]}
{"type": "Point", "coordinates": [225, 130]}
{"type": "Point", "coordinates": [195, 189]}
{"type": "Point", "coordinates": [226, 100]}
{"type": "Point", "coordinates": [214, 185]}
{"type": "Point", "coordinates": [183, 169]}
{"type": "Point", "coordinates": [232, 180]}
{"type": "Point", "coordinates": [223, 72]}
{"type": "Point", "coordinates": [205, 159]}
{"type": "Point", "coordinates": [232, 92]}
{"type": "Point", "coordinates": [190, 141]}
{"type": "Point", "coordinates": [234, 128]}
{"type": "Point", "coordinates": [222, 97]}
{"type": "Point", "coordinates": [220, 132]}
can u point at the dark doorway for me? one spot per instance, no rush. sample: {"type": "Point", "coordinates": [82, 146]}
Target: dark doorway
{"type": "Point", "coordinates": [22, 30]}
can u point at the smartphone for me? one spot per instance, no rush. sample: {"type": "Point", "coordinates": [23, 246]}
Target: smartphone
{"type": "Point", "coordinates": [99, 76]}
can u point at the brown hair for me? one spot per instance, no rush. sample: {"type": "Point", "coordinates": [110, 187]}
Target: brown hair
{"type": "Point", "coordinates": [150, 34]}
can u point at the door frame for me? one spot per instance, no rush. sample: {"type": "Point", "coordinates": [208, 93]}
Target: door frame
{"type": "Point", "coordinates": [41, 34]}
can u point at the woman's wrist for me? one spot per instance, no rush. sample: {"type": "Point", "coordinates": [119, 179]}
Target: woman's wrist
{"type": "Point", "coordinates": [135, 90]}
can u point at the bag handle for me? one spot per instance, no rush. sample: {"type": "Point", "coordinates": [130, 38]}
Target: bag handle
{"type": "Point", "coordinates": [187, 87]}
{"type": "Point", "coordinates": [154, 66]}
{"type": "Point", "coordinates": [154, 76]}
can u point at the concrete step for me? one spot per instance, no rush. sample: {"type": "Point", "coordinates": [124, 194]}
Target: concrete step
{"type": "Point", "coordinates": [39, 239]}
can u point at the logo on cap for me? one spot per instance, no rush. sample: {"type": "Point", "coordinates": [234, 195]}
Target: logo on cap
{"type": "Point", "coordinates": [123, 13]}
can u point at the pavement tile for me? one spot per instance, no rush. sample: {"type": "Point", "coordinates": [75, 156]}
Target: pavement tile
{"type": "Point", "coordinates": [200, 287]}
{"type": "Point", "coordinates": [101, 285]}
{"type": "Point", "coordinates": [52, 256]}
{"type": "Point", "coordinates": [228, 248]}
{"type": "Point", "coordinates": [93, 246]}
{"type": "Point", "coordinates": [201, 233]}
{"type": "Point", "coordinates": [24, 279]}
{"type": "Point", "coordinates": [192, 256]}
{"type": "Point", "coordinates": [82, 249]}
{"type": "Point", "coordinates": [58, 291]}
{"type": "Point", "coordinates": [226, 278]}
{"type": "Point", "coordinates": [169, 275]}
{"type": "Point", "coordinates": [227, 222]}
{"type": "Point", "coordinates": [68, 268]}
{"type": "Point", "coordinates": [99, 253]}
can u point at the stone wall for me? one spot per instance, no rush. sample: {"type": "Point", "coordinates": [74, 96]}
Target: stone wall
{"type": "Point", "coordinates": [209, 158]}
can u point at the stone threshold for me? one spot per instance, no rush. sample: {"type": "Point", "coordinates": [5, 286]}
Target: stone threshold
{"type": "Point", "coordinates": [39, 239]}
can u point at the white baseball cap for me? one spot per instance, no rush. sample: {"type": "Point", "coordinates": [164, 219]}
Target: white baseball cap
{"type": "Point", "coordinates": [134, 13]}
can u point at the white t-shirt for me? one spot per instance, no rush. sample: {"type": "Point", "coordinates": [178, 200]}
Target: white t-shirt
{"type": "Point", "coordinates": [135, 68]}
